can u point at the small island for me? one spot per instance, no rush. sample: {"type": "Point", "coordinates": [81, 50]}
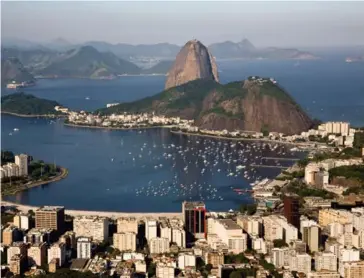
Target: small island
{"type": "Point", "coordinates": [21, 172]}
{"type": "Point", "coordinates": [26, 105]}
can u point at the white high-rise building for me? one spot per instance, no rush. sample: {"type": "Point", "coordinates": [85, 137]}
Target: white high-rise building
{"type": "Point", "coordinates": [325, 261]}
{"type": "Point", "coordinates": [164, 271]}
{"type": "Point", "coordinates": [347, 255]}
{"type": "Point", "coordinates": [84, 248]}
{"type": "Point", "coordinates": [251, 224]}
{"type": "Point", "coordinates": [300, 263]}
{"type": "Point", "coordinates": [22, 161]}
{"type": "Point", "coordinates": [150, 229]}
{"type": "Point", "coordinates": [57, 251]}
{"type": "Point", "coordinates": [21, 221]}
{"type": "Point", "coordinates": [277, 227]}
{"type": "Point", "coordinates": [179, 237]}
{"type": "Point", "coordinates": [323, 274]}
{"type": "Point", "coordinates": [278, 257]}
{"type": "Point", "coordinates": [127, 224]}
{"type": "Point", "coordinates": [186, 260]}
{"type": "Point", "coordinates": [125, 241]}
{"type": "Point", "coordinates": [230, 233]}
{"type": "Point", "coordinates": [166, 231]}
{"type": "Point", "coordinates": [158, 245]}
{"type": "Point", "coordinates": [91, 226]}
{"type": "Point", "coordinates": [37, 254]}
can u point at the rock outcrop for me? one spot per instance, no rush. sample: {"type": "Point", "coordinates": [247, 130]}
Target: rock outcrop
{"type": "Point", "coordinates": [256, 104]}
{"type": "Point", "coordinates": [194, 61]}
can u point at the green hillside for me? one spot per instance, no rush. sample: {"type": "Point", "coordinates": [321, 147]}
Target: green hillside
{"type": "Point", "coordinates": [25, 104]}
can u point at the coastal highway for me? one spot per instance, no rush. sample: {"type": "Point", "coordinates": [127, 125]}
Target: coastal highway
{"type": "Point", "coordinates": [110, 214]}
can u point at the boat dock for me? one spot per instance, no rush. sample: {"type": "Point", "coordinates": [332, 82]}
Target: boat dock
{"type": "Point", "coordinates": [268, 166]}
{"type": "Point", "coordinates": [280, 158]}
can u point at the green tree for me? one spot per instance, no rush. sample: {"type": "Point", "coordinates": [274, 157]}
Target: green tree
{"type": "Point", "coordinates": [151, 269]}
{"type": "Point", "coordinates": [235, 274]}
{"type": "Point", "coordinates": [200, 264]}
{"type": "Point", "coordinates": [278, 243]}
{"type": "Point", "coordinates": [3, 257]}
{"type": "Point", "coordinates": [208, 267]}
{"type": "Point", "coordinates": [249, 209]}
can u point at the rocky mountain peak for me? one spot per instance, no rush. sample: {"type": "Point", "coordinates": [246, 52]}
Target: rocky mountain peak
{"type": "Point", "coordinates": [194, 61]}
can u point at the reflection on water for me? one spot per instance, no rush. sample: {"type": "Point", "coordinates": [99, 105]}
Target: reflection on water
{"type": "Point", "coordinates": [148, 170]}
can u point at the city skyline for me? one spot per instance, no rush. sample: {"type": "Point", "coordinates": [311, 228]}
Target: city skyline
{"type": "Point", "coordinates": [319, 24]}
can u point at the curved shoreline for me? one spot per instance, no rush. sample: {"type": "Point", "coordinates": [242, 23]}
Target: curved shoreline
{"type": "Point", "coordinates": [113, 128]}
{"type": "Point", "coordinates": [186, 133]}
{"type": "Point", "coordinates": [61, 176]}
{"type": "Point", "coordinates": [32, 115]}
{"type": "Point", "coordinates": [231, 138]}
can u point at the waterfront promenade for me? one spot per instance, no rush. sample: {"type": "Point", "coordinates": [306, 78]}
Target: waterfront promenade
{"type": "Point", "coordinates": [110, 214]}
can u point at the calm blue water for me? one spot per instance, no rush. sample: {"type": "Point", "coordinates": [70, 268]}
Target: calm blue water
{"type": "Point", "coordinates": [150, 170]}
{"type": "Point", "coordinates": [132, 171]}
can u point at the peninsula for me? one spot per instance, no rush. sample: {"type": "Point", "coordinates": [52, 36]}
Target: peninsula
{"type": "Point", "coordinates": [26, 105]}
{"type": "Point", "coordinates": [21, 172]}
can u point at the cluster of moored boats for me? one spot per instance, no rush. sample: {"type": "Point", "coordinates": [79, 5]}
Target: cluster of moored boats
{"type": "Point", "coordinates": [203, 168]}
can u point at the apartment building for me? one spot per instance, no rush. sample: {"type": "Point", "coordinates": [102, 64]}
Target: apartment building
{"type": "Point", "coordinates": [325, 261]}
{"type": "Point", "coordinates": [17, 248]}
{"type": "Point", "coordinates": [215, 258]}
{"type": "Point", "coordinates": [186, 260]}
{"type": "Point", "coordinates": [51, 217]}
{"type": "Point", "coordinates": [158, 245]}
{"type": "Point", "coordinates": [327, 216]}
{"type": "Point", "coordinates": [348, 255]}
{"type": "Point", "coordinates": [57, 251]}
{"type": "Point", "coordinates": [277, 227]}
{"type": "Point", "coordinates": [127, 224]}
{"type": "Point", "coordinates": [151, 229]}
{"type": "Point", "coordinates": [21, 221]}
{"type": "Point", "coordinates": [280, 257]}
{"type": "Point", "coordinates": [84, 247]}
{"type": "Point", "coordinates": [230, 233]}
{"type": "Point", "coordinates": [11, 234]}
{"type": "Point", "coordinates": [353, 269]}
{"type": "Point", "coordinates": [252, 225]}
{"type": "Point", "coordinates": [37, 254]}
{"type": "Point", "coordinates": [300, 263]}
{"type": "Point", "coordinates": [22, 161]}
{"type": "Point", "coordinates": [125, 241]}
{"type": "Point", "coordinates": [311, 236]}
{"type": "Point", "coordinates": [18, 264]}
{"type": "Point", "coordinates": [164, 271]}
{"type": "Point", "coordinates": [323, 274]}
{"type": "Point", "coordinates": [91, 226]}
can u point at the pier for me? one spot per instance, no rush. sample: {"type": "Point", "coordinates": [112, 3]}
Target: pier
{"type": "Point", "coordinates": [268, 166]}
{"type": "Point", "coordinates": [280, 158]}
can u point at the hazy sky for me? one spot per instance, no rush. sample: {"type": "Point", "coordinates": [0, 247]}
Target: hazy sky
{"type": "Point", "coordinates": [263, 23]}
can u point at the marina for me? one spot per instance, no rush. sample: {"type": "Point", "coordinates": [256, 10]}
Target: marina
{"type": "Point", "coordinates": [146, 167]}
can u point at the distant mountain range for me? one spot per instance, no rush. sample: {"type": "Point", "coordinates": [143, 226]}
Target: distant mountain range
{"type": "Point", "coordinates": [12, 70]}
{"type": "Point", "coordinates": [82, 62]}
{"type": "Point", "coordinates": [166, 51]}
{"type": "Point", "coordinates": [246, 50]}
{"type": "Point", "coordinates": [60, 58]}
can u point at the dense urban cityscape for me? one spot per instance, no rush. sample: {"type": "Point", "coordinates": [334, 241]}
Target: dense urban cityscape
{"type": "Point", "coordinates": [315, 230]}
{"type": "Point", "coordinates": [155, 140]}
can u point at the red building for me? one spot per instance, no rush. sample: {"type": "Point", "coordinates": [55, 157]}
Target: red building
{"type": "Point", "coordinates": [291, 210]}
{"type": "Point", "coordinates": [194, 218]}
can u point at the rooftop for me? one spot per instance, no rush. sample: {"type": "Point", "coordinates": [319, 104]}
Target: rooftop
{"type": "Point", "coordinates": [230, 224]}
{"type": "Point", "coordinates": [192, 205]}
{"type": "Point", "coordinates": [50, 208]}
{"type": "Point", "coordinates": [78, 264]}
